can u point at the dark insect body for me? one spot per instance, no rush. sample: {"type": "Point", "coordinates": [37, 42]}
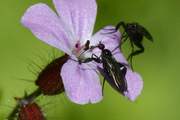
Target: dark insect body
{"type": "Point", "coordinates": [114, 70]}
{"type": "Point", "coordinates": [135, 33]}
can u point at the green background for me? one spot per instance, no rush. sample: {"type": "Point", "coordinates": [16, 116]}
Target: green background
{"type": "Point", "coordinates": [158, 65]}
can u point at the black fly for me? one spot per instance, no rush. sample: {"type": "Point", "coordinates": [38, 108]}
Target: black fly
{"type": "Point", "coordinates": [135, 32]}
{"type": "Point", "coordinates": [114, 70]}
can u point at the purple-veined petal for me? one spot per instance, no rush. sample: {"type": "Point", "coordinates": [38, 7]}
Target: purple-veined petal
{"type": "Point", "coordinates": [79, 15]}
{"type": "Point", "coordinates": [103, 33]}
{"type": "Point", "coordinates": [135, 85]}
{"type": "Point", "coordinates": [81, 83]}
{"type": "Point", "coordinates": [48, 27]}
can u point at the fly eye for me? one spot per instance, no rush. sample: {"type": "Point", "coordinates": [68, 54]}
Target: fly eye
{"type": "Point", "coordinates": [130, 26]}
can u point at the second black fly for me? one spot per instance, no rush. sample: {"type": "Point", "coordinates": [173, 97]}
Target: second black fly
{"type": "Point", "coordinates": [135, 33]}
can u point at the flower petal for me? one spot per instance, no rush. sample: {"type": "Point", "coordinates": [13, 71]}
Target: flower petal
{"type": "Point", "coordinates": [135, 85]}
{"type": "Point", "coordinates": [48, 27]}
{"type": "Point", "coordinates": [104, 34]}
{"type": "Point", "coordinates": [81, 83]}
{"type": "Point", "coordinates": [79, 15]}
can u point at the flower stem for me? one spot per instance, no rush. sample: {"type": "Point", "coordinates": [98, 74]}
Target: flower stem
{"type": "Point", "coordinates": [22, 102]}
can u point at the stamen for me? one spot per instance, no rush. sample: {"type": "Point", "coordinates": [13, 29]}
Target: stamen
{"type": "Point", "coordinates": [87, 45]}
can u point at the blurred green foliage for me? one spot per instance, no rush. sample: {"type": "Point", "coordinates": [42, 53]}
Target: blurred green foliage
{"type": "Point", "coordinates": [158, 65]}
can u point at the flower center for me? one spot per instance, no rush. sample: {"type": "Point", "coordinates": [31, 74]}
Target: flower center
{"type": "Point", "coordinates": [81, 49]}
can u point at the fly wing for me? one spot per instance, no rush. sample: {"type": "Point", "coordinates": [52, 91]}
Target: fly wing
{"type": "Point", "coordinates": [146, 33]}
{"type": "Point", "coordinates": [113, 71]}
{"type": "Point", "coordinates": [120, 79]}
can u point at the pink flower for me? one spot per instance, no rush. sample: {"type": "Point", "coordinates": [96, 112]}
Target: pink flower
{"type": "Point", "coordinates": [69, 33]}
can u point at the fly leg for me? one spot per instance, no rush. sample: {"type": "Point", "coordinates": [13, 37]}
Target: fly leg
{"type": "Point", "coordinates": [96, 59]}
{"type": "Point", "coordinates": [138, 44]}
{"type": "Point", "coordinates": [130, 56]}
{"type": "Point", "coordinates": [117, 27]}
{"type": "Point", "coordinates": [103, 84]}
{"type": "Point", "coordinates": [136, 52]}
